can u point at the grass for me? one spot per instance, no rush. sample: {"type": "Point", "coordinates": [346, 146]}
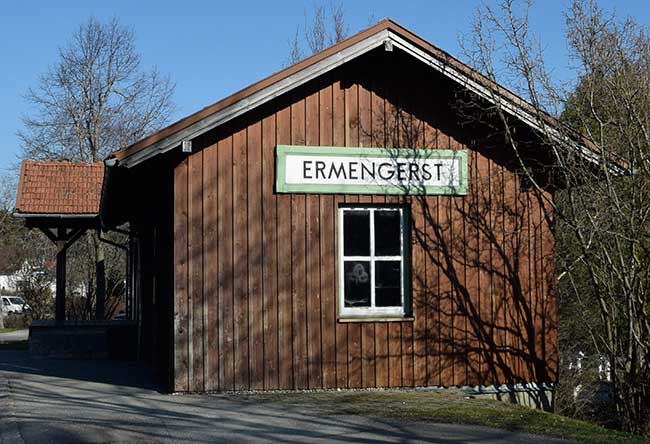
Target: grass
{"type": "Point", "coordinates": [8, 330]}
{"type": "Point", "coordinates": [446, 406]}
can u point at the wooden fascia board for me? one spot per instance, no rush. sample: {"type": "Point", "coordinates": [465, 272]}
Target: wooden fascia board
{"type": "Point", "coordinates": [55, 215]}
{"type": "Point", "coordinates": [495, 97]}
{"type": "Point", "coordinates": [258, 98]}
{"type": "Point", "coordinates": [215, 107]}
{"type": "Point", "coordinates": [386, 31]}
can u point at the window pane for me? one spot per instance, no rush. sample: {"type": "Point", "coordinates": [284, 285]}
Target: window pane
{"type": "Point", "coordinates": [387, 233]}
{"type": "Point", "coordinates": [356, 233]}
{"type": "Point", "coordinates": [388, 284]}
{"type": "Point", "coordinates": [357, 283]}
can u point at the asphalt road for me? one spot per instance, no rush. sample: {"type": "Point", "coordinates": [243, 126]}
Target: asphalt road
{"type": "Point", "coordinates": [49, 401]}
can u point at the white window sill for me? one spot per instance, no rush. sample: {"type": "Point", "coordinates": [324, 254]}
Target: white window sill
{"type": "Point", "coordinates": [348, 319]}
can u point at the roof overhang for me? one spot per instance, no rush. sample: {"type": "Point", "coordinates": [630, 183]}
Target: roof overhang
{"type": "Point", "coordinates": [54, 216]}
{"type": "Point", "coordinates": [53, 220]}
{"type": "Point", "coordinates": [387, 34]}
{"type": "Point", "coordinates": [258, 98]}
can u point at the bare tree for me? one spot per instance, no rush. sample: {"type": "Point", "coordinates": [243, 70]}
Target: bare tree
{"type": "Point", "coordinates": [603, 202]}
{"type": "Point", "coordinates": [315, 33]}
{"type": "Point", "coordinates": [94, 100]}
{"type": "Point", "coordinates": [324, 26]}
{"type": "Point", "coordinates": [34, 281]}
{"type": "Point", "coordinates": [22, 255]}
{"type": "Point", "coordinates": [8, 230]}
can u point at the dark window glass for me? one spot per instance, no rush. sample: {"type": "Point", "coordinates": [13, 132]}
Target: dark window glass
{"type": "Point", "coordinates": [356, 233]}
{"type": "Point", "coordinates": [387, 233]}
{"type": "Point", "coordinates": [387, 284]}
{"type": "Point", "coordinates": [357, 283]}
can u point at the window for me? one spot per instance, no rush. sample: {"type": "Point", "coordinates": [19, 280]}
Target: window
{"type": "Point", "coordinates": [373, 265]}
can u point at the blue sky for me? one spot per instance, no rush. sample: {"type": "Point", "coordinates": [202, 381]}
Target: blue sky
{"type": "Point", "coordinates": [214, 48]}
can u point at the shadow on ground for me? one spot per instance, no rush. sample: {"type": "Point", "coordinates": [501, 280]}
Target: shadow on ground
{"type": "Point", "coordinates": [118, 373]}
{"type": "Point", "coordinates": [49, 401]}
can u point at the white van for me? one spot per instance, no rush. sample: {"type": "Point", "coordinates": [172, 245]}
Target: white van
{"type": "Point", "coordinates": [13, 304]}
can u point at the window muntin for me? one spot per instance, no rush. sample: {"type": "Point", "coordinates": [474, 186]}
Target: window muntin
{"type": "Point", "coordinates": [372, 261]}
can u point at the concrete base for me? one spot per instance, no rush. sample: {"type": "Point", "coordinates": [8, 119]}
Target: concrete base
{"type": "Point", "coordinates": [83, 339]}
{"type": "Point", "coordinates": [537, 396]}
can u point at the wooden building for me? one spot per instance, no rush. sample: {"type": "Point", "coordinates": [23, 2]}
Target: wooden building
{"type": "Point", "coordinates": [351, 221]}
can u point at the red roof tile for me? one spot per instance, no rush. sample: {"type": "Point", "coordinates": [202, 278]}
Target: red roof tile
{"type": "Point", "coordinates": [50, 187]}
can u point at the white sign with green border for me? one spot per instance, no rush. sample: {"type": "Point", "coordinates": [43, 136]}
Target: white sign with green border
{"type": "Point", "coordinates": [355, 170]}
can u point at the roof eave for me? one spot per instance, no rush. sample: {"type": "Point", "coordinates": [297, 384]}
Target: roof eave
{"type": "Point", "coordinates": [55, 215]}
{"type": "Point", "coordinates": [256, 99]}
{"type": "Point", "coordinates": [331, 58]}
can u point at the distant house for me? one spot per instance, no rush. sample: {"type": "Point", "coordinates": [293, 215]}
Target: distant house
{"type": "Point", "coordinates": [7, 284]}
{"type": "Point", "coordinates": [10, 283]}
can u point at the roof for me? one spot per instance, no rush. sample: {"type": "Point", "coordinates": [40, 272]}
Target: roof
{"type": "Point", "coordinates": [51, 188]}
{"type": "Point", "coordinates": [386, 33]}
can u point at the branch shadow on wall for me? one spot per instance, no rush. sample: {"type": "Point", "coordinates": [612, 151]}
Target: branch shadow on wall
{"type": "Point", "coordinates": [482, 268]}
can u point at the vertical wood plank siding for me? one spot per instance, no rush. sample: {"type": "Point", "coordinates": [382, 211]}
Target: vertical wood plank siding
{"type": "Point", "coordinates": [255, 272]}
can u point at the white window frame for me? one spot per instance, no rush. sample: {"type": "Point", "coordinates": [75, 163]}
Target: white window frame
{"type": "Point", "coordinates": [373, 311]}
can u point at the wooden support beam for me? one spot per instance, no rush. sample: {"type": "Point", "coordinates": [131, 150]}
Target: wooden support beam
{"type": "Point", "coordinates": [50, 235]}
{"type": "Point", "coordinates": [63, 238]}
{"type": "Point", "coordinates": [67, 222]}
{"type": "Point", "coordinates": [61, 249]}
{"type": "Point", "coordinates": [100, 275]}
{"type": "Point", "coordinates": [63, 232]}
{"type": "Point", "coordinates": [73, 236]}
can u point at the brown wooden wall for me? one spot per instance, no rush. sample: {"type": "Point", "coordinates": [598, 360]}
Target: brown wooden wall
{"type": "Point", "coordinates": [255, 302]}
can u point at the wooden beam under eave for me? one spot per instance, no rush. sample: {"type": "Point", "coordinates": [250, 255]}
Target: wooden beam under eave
{"type": "Point", "coordinates": [89, 223]}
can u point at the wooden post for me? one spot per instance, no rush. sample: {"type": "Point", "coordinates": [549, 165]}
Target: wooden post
{"type": "Point", "coordinates": [62, 239]}
{"type": "Point", "coordinates": [61, 248]}
{"type": "Point", "coordinates": [100, 274]}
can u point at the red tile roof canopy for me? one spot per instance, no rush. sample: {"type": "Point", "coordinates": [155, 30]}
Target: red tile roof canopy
{"type": "Point", "coordinates": [59, 188]}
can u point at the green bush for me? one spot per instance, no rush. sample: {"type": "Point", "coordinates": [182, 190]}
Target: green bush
{"type": "Point", "coordinates": [17, 321]}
